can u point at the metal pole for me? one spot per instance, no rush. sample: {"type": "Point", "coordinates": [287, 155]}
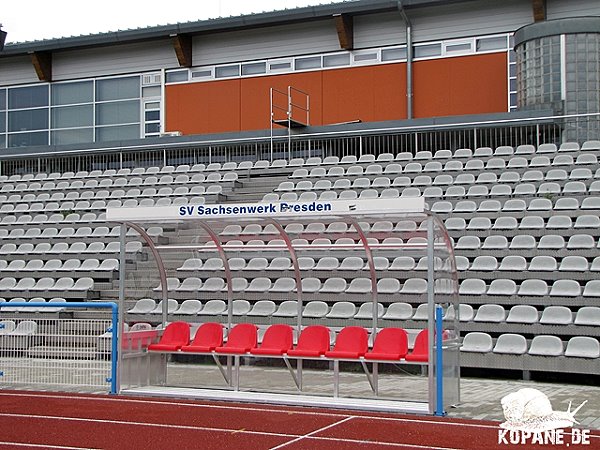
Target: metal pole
{"type": "Point", "coordinates": [430, 311]}
{"type": "Point", "coordinates": [409, 58]}
{"type": "Point", "coordinates": [120, 321]}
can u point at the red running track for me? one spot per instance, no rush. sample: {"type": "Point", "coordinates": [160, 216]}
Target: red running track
{"type": "Point", "coordinates": [33, 420]}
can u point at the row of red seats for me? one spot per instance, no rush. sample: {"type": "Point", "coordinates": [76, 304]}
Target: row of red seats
{"type": "Point", "coordinates": [391, 344]}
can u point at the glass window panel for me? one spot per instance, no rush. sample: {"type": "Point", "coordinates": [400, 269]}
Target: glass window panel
{"type": "Point", "coordinates": [458, 48]}
{"type": "Point", "coordinates": [2, 141]}
{"type": "Point", "coordinates": [72, 116]}
{"type": "Point", "coordinates": [152, 105]}
{"type": "Point", "coordinates": [71, 93]}
{"type": "Point", "coordinates": [425, 51]}
{"type": "Point", "coordinates": [280, 66]}
{"type": "Point", "coordinates": [118, 112]}
{"type": "Point", "coordinates": [30, 119]}
{"type": "Point", "coordinates": [227, 71]}
{"type": "Point", "coordinates": [28, 97]}
{"type": "Point", "coordinates": [117, 133]}
{"type": "Point", "coordinates": [152, 128]}
{"type": "Point", "coordinates": [254, 68]}
{"type": "Point", "coordinates": [177, 76]}
{"type": "Point", "coordinates": [151, 91]}
{"type": "Point", "coordinates": [393, 54]}
{"type": "Point", "coordinates": [202, 74]}
{"type": "Point", "coordinates": [77, 136]}
{"type": "Point", "coordinates": [28, 139]}
{"type": "Point", "coordinates": [2, 122]}
{"type": "Point", "coordinates": [312, 62]}
{"type": "Point", "coordinates": [117, 88]}
{"type": "Point", "coordinates": [336, 60]}
{"type": "Point", "coordinates": [152, 115]}
{"type": "Point", "coordinates": [2, 99]}
{"type": "Point", "coordinates": [493, 43]}
{"type": "Point", "coordinates": [365, 57]}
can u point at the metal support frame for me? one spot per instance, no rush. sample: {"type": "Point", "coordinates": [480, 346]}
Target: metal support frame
{"type": "Point", "coordinates": [290, 120]}
{"type": "Point", "coordinates": [231, 371]}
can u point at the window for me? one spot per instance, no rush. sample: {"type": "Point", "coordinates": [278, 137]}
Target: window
{"type": "Point", "coordinates": [118, 112]}
{"type": "Point", "coordinates": [336, 60]}
{"type": "Point", "coordinates": [393, 54]}
{"type": "Point", "coordinates": [254, 68]}
{"type": "Point", "coordinates": [28, 97]}
{"type": "Point", "coordinates": [202, 73]}
{"type": "Point", "coordinates": [177, 76]}
{"type": "Point", "coordinates": [491, 43]}
{"type": "Point", "coordinates": [72, 93]}
{"type": "Point", "coordinates": [117, 88]}
{"type": "Point", "coordinates": [28, 119]}
{"type": "Point", "coordinates": [312, 62]}
{"type": "Point", "coordinates": [2, 99]}
{"type": "Point", "coordinates": [360, 57]}
{"type": "Point", "coordinates": [227, 71]}
{"type": "Point", "coordinates": [72, 116]}
{"type": "Point", "coordinates": [428, 50]}
{"type": "Point", "coordinates": [74, 136]}
{"type": "Point", "coordinates": [117, 133]}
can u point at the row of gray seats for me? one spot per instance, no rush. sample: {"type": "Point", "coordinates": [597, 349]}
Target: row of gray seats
{"type": "Point", "coordinates": [487, 313]}
{"type": "Point", "coordinates": [543, 345]}
{"type": "Point", "coordinates": [121, 182]}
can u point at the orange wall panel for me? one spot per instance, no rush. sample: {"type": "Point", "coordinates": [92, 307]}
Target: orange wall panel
{"type": "Point", "coordinates": [369, 94]}
{"type": "Point", "coordinates": [198, 108]}
{"type": "Point", "coordinates": [442, 87]}
{"type": "Point", "coordinates": [462, 85]}
{"type": "Point", "coordinates": [255, 104]}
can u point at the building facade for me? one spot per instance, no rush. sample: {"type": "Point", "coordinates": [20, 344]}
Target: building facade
{"type": "Point", "coordinates": [357, 61]}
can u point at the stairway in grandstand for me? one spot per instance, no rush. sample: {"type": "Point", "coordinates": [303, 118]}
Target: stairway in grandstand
{"type": "Point", "coordinates": [525, 223]}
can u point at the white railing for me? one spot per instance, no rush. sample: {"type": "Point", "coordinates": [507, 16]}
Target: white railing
{"type": "Point", "coordinates": [46, 345]}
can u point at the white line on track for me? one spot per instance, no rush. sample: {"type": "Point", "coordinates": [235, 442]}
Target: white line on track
{"type": "Point", "coordinates": [144, 424]}
{"type": "Point", "coordinates": [299, 438]}
{"type": "Point", "coordinates": [44, 446]}
{"type": "Point", "coordinates": [254, 408]}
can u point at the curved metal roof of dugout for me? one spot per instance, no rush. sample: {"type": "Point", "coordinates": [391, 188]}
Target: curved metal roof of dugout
{"type": "Point", "coordinates": [209, 218]}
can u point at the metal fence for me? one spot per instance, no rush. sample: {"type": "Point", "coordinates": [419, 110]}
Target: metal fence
{"type": "Point", "coordinates": [451, 136]}
{"type": "Point", "coordinates": [43, 345]}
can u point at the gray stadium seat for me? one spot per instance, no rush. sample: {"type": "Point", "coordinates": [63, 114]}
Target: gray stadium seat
{"type": "Point", "coordinates": [511, 344]}
{"type": "Point", "coordinates": [398, 311]}
{"type": "Point", "coordinates": [342, 310]}
{"type": "Point", "coordinates": [477, 342]}
{"type": "Point", "coordinates": [583, 347]}
{"type": "Point", "coordinates": [546, 346]}
{"type": "Point", "coordinates": [522, 314]}
{"type": "Point", "coordinates": [490, 313]}
{"type": "Point", "coordinates": [588, 316]}
{"type": "Point", "coordinates": [143, 306]}
{"type": "Point", "coordinates": [263, 308]}
{"type": "Point", "coordinates": [189, 307]}
{"type": "Point", "coordinates": [556, 315]}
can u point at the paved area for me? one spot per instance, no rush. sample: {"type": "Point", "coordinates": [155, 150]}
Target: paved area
{"type": "Point", "coordinates": [479, 398]}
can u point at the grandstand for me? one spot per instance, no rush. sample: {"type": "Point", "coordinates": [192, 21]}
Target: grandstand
{"type": "Point", "coordinates": [181, 115]}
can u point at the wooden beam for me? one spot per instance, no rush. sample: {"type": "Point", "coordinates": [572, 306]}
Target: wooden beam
{"type": "Point", "coordinates": [42, 63]}
{"type": "Point", "coordinates": [182, 43]}
{"type": "Point", "coordinates": [344, 24]}
{"type": "Point", "coordinates": [539, 10]}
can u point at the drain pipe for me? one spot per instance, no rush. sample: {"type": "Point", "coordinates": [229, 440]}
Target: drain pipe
{"type": "Point", "coordinates": [409, 61]}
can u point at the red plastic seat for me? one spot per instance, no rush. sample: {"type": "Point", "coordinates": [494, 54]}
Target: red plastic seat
{"type": "Point", "coordinates": [208, 337]}
{"type": "Point", "coordinates": [351, 342]}
{"type": "Point", "coordinates": [420, 350]}
{"type": "Point", "coordinates": [241, 339]}
{"type": "Point", "coordinates": [391, 344]}
{"type": "Point", "coordinates": [278, 339]}
{"type": "Point", "coordinates": [176, 335]}
{"type": "Point", "coordinates": [313, 342]}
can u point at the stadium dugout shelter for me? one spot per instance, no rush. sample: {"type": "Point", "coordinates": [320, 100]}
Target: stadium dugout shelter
{"type": "Point", "coordinates": [363, 228]}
